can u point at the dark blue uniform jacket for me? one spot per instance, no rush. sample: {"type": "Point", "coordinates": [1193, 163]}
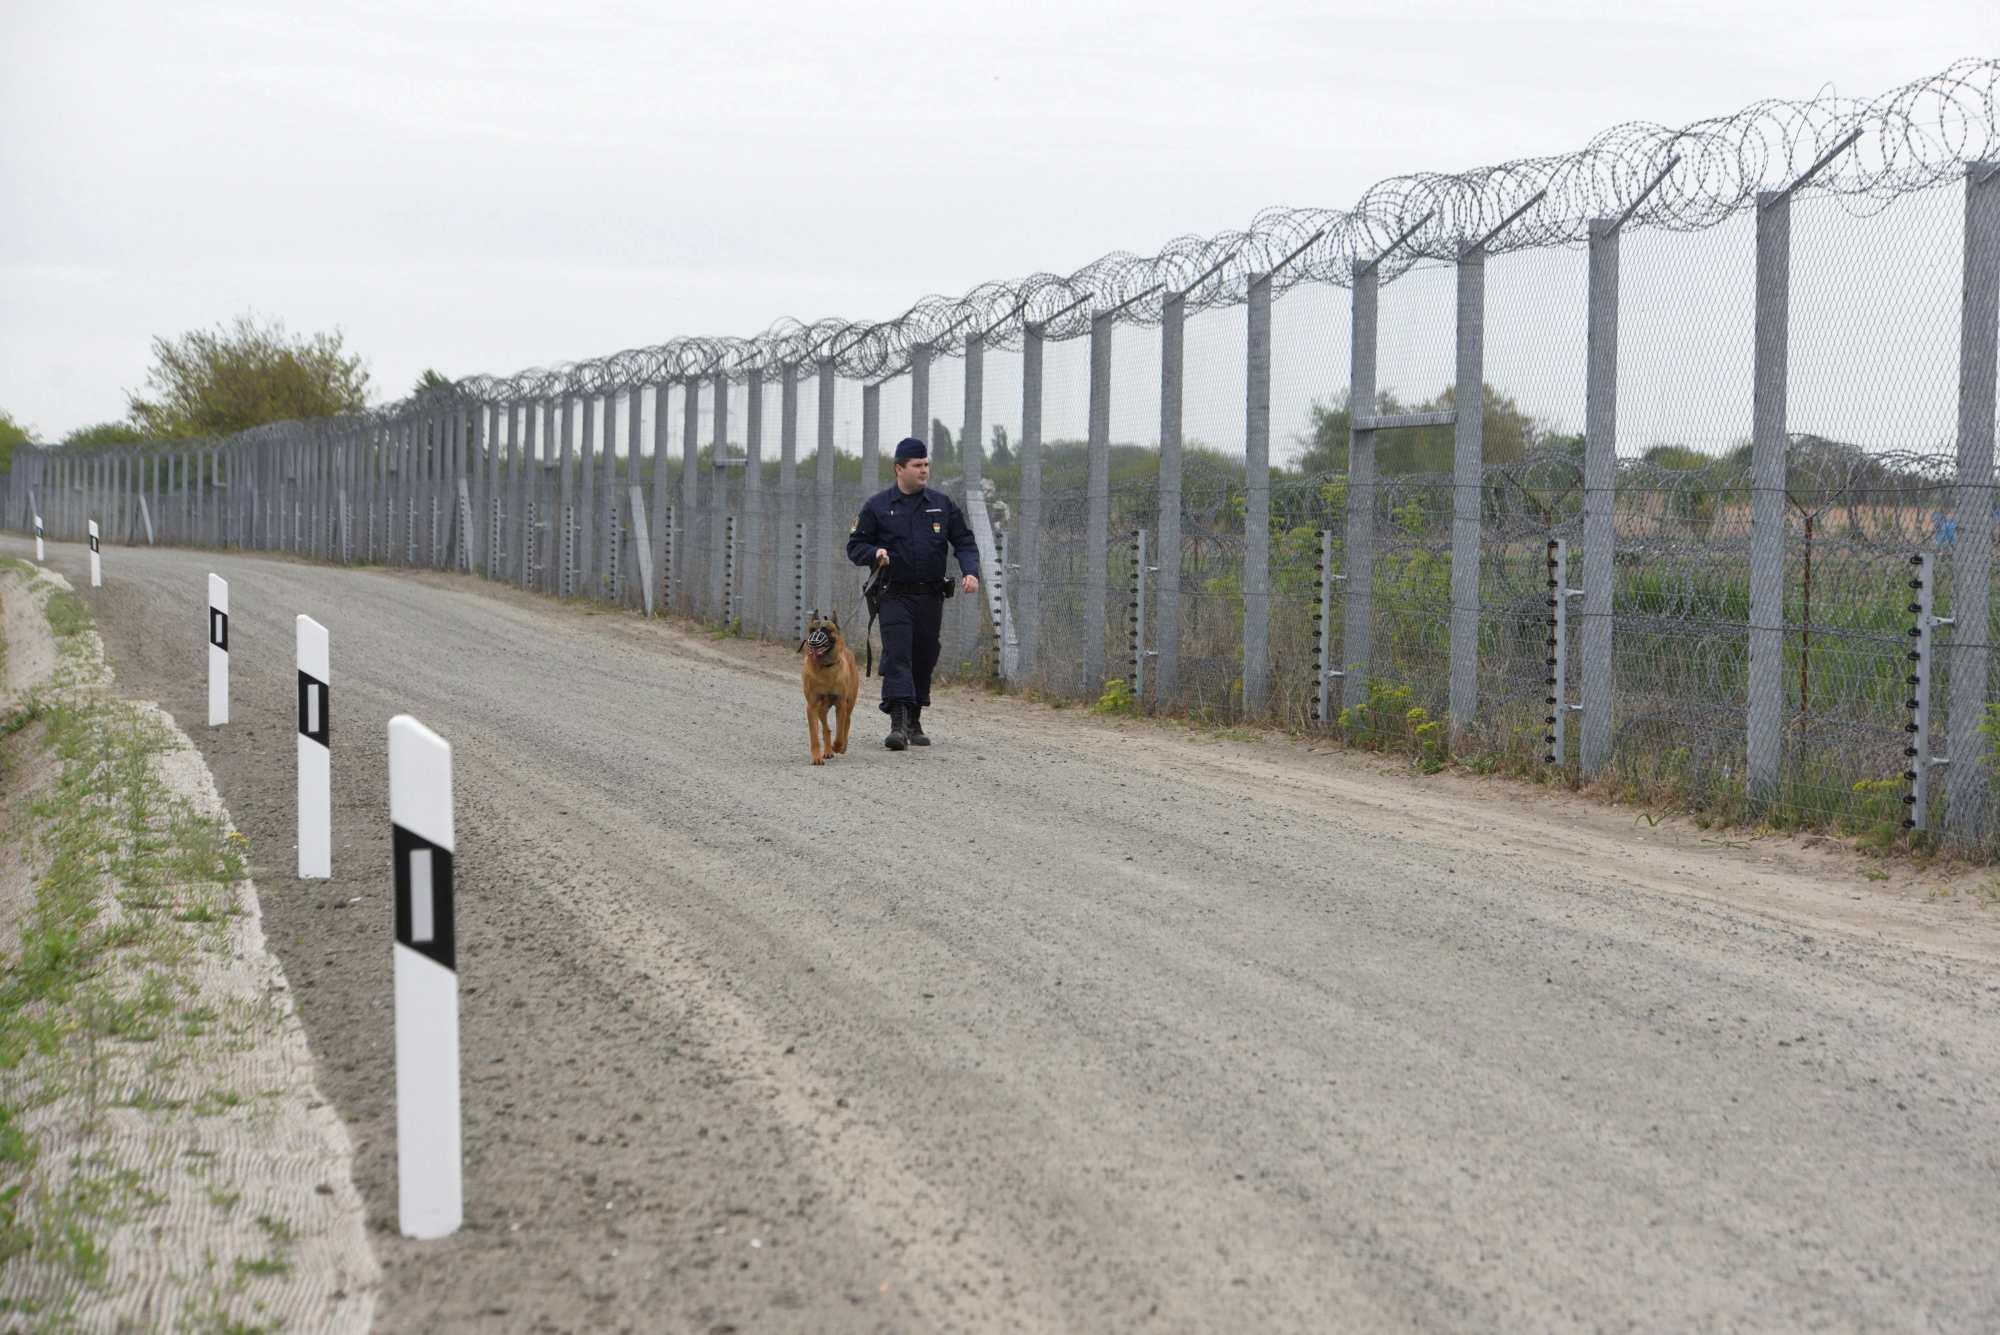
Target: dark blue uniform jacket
{"type": "Point", "coordinates": [916, 531]}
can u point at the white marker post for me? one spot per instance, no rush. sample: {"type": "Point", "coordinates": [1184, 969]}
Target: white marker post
{"type": "Point", "coordinates": [315, 755]}
{"type": "Point", "coordinates": [40, 555]}
{"type": "Point", "coordinates": [96, 562]}
{"type": "Point", "coordinates": [218, 651]}
{"type": "Point", "coordinates": [431, 1193]}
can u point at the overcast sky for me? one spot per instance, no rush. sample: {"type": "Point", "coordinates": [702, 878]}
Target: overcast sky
{"type": "Point", "coordinates": [489, 187]}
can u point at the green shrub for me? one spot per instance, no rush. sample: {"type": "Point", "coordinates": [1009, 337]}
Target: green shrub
{"type": "Point", "coordinates": [1380, 723]}
{"type": "Point", "coordinates": [1427, 739]}
{"type": "Point", "coordinates": [1117, 698]}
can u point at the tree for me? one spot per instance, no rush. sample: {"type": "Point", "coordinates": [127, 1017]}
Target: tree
{"type": "Point", "coordinates": [214, 382]}
{"type": "Point", "coordinates": [941, 446]}
{"type": "Point", "coordinates": [106, 433]}
{"type": "Point", "coordinates": [1003, 457]}
{"type": "Point", "coordinates": [1508, 434]}
{"type": "Point", "coordinates": [1678, 457]}
{"type": "Point", "coordinates": [13, 433]}
{"type": "Point", "coordinates": [1326, 446]}
{"type": "Point", "coordinates": [429, 381]}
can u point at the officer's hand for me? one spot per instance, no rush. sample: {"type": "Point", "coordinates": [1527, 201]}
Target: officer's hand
{"type": "Point", "coordinates": [881, 556]}
{"type": "Point", "coordinates": [970, 584]}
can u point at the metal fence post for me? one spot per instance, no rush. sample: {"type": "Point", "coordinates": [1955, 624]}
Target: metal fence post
{"type": "Point", "coordinates": [1358, 610]}
{"type": "Point", "coordinates": [1257, 503]}
{"type": "Point", "coordinates": [662, 446]}
{"type": "Point", "coordinates": [1167, 588]}
{"type": "Point", "coordinates": [783, 586]}
{"type": "Point", "coordinates": [535, 444]}
{"type": "Point", "coordinates": [1469, 456]}
{"type": "Point", "coordinates": [399, 504]}
{"type": "Point", "coordinates": [1600, 497]}
{"type": "Point", "coordinates": [1921, 661]}
{"type": "Point", "coordinates": [465, 472]}
{"type": "Point", "coordinates": [437, 508]}
{"type": "Point", "coordinates": [548, 484]}
{"type": "Point", "coordinates": [505, 559]}
{"type": "Point", "coordinates": [409, 490]}
{"type": "Point", "coordinates": [823, 534]}
{"type": "Point", "coordinates": [417, 486]}
{"type": "Point", "coordinates": [1966, 785]}
{"type": "Point", "coordinates": [506, 497]}
{"type": "Point", "coordinates": [366, 482]}
{"type": "Point", "coordinates": [635, 429]}
{"type": "Point", "coordinates": [799, 581]}
{"type": "Point", "coordinates": [1323, 669]}
{"type": "Point", "coordinates": [718, 503]}
{"type": "Point", "coordinates": [920, 393]}
{"type": "Point", "coordinates": [688, 541]}
{"type": "Point", "coordinates": [587, 527]}
{"type": "Point", "coordinates": [1556, 594]}
{"type": "Point", "coordinates": [561, 543]}
{"type": "Point", "coordinates": [1097, 506]}
{"type": "Point", "coordinates": [749, 594]}
{"type": "Point", "coordinates": [609, 571]}
{"type": "Point", "coordinates": [971, 450]}
{"type": "Point", "coordinates": [1028, 580]}
{"type": "Point", "coordinates": [597, 495]}
{"type": "Point", "coordinates": [1767, 493]}
{"type": "Point", "coordinates": [459, 426]}
{"type": "Point", "coordinates": [1136, 633]}
{"type": "Point", "coordinates": [871, 440]}
{"type": "Point", "coordinates": [486, 500]}
{"type": "Point", "coordinates": [429, 440]}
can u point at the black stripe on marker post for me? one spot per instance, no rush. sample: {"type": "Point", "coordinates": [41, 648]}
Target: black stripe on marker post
{"type": "Point", "coordinates": [93, 540]}
{"type": "Point", "coordinates": [424, 916]}
{"type": "Point", "coordinates": [218, 628]}
{"type": "Point", "coordinates": [313, 721]}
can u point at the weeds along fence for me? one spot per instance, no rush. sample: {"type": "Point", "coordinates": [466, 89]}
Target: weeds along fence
{"type": "Point", "coordinates": [1728, 382]}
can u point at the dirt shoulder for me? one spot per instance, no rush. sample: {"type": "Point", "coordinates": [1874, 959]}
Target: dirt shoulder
{"type": "Point", "coordinates": [166, 1161]}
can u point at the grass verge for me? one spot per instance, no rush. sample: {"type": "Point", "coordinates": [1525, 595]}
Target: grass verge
{"type": "Point", "coordinates": [117, 889]}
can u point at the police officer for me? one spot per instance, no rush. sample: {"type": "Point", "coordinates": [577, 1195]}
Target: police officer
{"type": "Point", "coordinates": [909, 527]}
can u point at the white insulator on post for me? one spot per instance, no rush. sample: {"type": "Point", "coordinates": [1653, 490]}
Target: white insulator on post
{"type": "Point", "coordinates": [218, 651]}
{"type": "Point", "coordinates": [96, 561]}
{"type": "Point", "coordinates": [41, 555]}
{"type": "Point", "coordinates": [429, 1175]}
{"type": "Point", "coordinates": [315, 754]}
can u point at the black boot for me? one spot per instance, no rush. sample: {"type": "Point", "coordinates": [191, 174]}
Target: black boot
{"type": "Point", "coordinates": [899, 729]}
{"type": "Point", "coordinates": [916, 728]}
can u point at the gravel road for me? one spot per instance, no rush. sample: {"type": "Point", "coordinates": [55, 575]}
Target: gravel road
{"type": "Point", "coordinates": [1075, 1025]}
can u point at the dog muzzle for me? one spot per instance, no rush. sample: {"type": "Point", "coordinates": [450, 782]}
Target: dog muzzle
{"type": "Point", "coordinates": [818, 643]}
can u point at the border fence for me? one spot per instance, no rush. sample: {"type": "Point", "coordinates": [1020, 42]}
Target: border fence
{"type": "Point", "coordinates": [1740, 377]}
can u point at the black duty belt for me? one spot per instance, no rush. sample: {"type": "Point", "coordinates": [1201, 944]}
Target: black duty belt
{"type": "Point", "coordinates": [938, 587]}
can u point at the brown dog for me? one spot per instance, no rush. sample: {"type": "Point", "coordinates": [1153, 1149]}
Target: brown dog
{"type": "Point", "coordinates": [831, 681]}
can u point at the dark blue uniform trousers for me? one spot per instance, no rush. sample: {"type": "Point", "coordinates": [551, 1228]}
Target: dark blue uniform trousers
{"type": "Point", "coordinates": [910, 624]}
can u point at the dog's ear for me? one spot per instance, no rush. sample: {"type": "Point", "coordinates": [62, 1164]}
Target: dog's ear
{"type": "Point", "coordinates": [833, 619]}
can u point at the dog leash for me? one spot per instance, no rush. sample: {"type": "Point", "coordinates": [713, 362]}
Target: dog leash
{"type": "Point", "coordinates": [877, 582]}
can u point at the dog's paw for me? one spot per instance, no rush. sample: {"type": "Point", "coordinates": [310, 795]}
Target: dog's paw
{"type": "Point", "coordinates": [819, 760]}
